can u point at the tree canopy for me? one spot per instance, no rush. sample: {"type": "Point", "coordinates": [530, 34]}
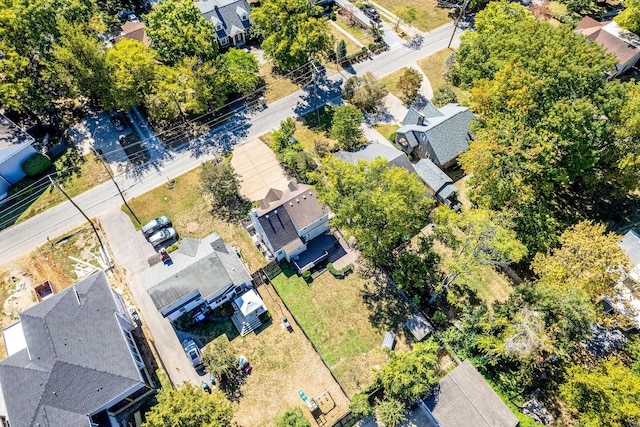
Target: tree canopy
{"type": "Point", "coordinates": [380, 206]}
{"type": "Point", "coordinates": [629, 17]}
{"type": "Point", "coordinates": [190, 406]}
{"type": "Point", "coordinates": [345, 127]}
{"type": "Point", "coordinates": [293, 417]}
{"type": "Point", "coordinates": [291, 33]}
{"type": "Point", "coordinates": [365, 92]}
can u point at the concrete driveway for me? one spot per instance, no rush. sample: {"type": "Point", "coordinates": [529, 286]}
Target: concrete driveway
{"type": "Point", "coordinates": [258, 169]}
{"type": "Point", "coordinates": [96, 131]}
{"type": "Point", "coordinates": [131, 250]}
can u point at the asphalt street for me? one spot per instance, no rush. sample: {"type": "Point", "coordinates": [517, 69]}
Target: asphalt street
{"type": "Point", "coordinates": [26, 236]}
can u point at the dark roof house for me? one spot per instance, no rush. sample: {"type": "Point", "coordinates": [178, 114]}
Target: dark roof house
{"type": "Point", "coordinates": [72, 360]}
{"type": "Point", "coordinates": [15, 148]}
{"type": "Point", "coordinates": [623, 44]}
{"type": "Point", "coordinates": [204, 272]}
{"type": "Point", "coordinates": [437, 134]}
{"type": "Point", "coordinates": [464, 398]}
{"type": "Point", "coordinates": [439, 182]}
{"type": "Point", "coordinates": [230, 19]}
{"type": "Point", "coordinates": [374, 150]}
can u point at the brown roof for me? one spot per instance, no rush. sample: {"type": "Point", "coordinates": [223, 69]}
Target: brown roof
{"type": "Point", "coordinates": [134, 31]}
{"type": "Point", "coordinates": [464, 398]}
{"type": "Point", "coordinates": [301, 204]}
{"type": "Point", "coordinates": [589, 25]}
{"type": "Point", "coordinates": [609, 35]}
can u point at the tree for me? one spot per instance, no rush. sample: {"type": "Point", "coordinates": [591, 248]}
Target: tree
{"type": "Point", "coordinates": [629, 18]}
{"type": "Point", "coordinates": [416, 272]}
{"type": "Point", "coordinates": [178, 30]}
{"type": "Point", "coordinates": [190, 406]}
{"type": "Point", "coordinates": [405, 14]}
{"type": "Point", "coordinates": [241, 70]}
{"type": "Point", "coordinates": [341, 51]}
{"type": "Point", "coordinates": [15, 81]}
{"type": "Point", "coordinates": [292, 418]}
{"type": "Point", "coordinates": [390, 412]}
{"type": "Point", "coordinates": [291, 34]}
{"type": "Point", "coordinates": [218, 359]}
{"type": "Point", "coordinates": [222, 183]}
{"type": "Point", "coordinates": [345, 127]}
{"type": "Point", "coordinates": [409, 375]}
{"type": "Point", "coordinates": [444, 95]}
{"type": "Point", "coordinates": [132, 67]}
{"type": "Point", "coordinates": [477, 237]}
{"type": "Point", "coordinates": [409, 85]}
{"type": "Point", "coordinates": [365, 92]}
{"type": "Point", "coordinates": [360, 406]}
{"type": "Point", "coordinates": [283, 137]}
{"type": "Point", "coordinates": [607, 395]}
{"type": "Point", "coordinates": [380, 206]}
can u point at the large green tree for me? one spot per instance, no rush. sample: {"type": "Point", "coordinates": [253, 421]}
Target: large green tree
{"type": "Point", "coordinates": [365, 92]}
{"type": "Point", "coordinates": [629, 18]}
{"type": "Point", "coordinates": [345, 127]}
{"type": "Point", "coordinates": [190, 406]}
{"type": "Point", "coordinates": [133, 68]}
{"type": "Point", "coordinates": [178, 30]}
{"type": "Point", "coordinates": [380, 206]}
{"type": "Point", "coordinates": [291, 33]}
{"type": "Point", "coordinates": [219, 359]}
{"type": "Point", "coordinates": [222, 184]}
{"type": "Point", "coordinates": [241, 70]}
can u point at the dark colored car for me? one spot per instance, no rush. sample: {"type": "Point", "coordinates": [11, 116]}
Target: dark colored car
{"type": "Point", "coordinates": [371, 13]}
{"type": "Point", "coordinates": [158, 223]}
{"type": "Point", "coordinates": [162, 236]}
{"type": "Point", "coordinates": [123, 15]}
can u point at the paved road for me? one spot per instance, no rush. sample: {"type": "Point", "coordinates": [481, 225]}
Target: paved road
{"type": "Point", "coordinates": [247, 124]}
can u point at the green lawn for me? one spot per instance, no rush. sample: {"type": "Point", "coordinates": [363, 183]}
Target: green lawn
{"type": "Point", "coordinates": [277, 86]}
{"type": "Point", "coordinates": [386, 129]}
{"type": "Point", "coordinates": [390, 82]}
{"type": "Point", "coordinates": [346, 319]}
{"type": "Point", "coordinates": [337, 35]}
{"type": "Point", "coordinates": [428, 15]}
{"type": "Point", "coordinates": [432, 67]}
{"type": "Point", "coordinates": [190, 214]}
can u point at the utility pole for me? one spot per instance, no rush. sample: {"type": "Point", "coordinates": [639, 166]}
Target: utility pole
{"type": "Point", "coordinates": [101, 158]}
{"type": "Point", "coordinates": [104, 251]}
{"type": "Point", "coordinates": [314, 76]}
{"type": "Point", "coordinates": [461, 12]}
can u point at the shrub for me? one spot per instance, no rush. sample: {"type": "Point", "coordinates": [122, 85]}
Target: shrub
{"type": "Point", "coordinates": [339, 273]}
{"type": "Point", "coordinates": [443, 96]}
{"type": "Point", "coordinates": [332, 16]}
{"type": "Point", "coordinates": [439, 318]}
{"type": "Point", "coordinates": [306, 276]}
{"type": "Point", "coordinates": [36, 164]}
{"type": "Point", "coordinates": [173, 247]}
{"type": "Point", "coordinates": [392, 137]}
{"type": "Point", "coordinates": [292, 418]}
{"type": "Point", "coordinates": [360, 406]}
{"type": "Point", "coordinates": [360, 5]}
{"type": "Point", "coordinates": [321, 147]}
{"type": "Point", "coordinates": [22, 189]}
{"type": "Point", "coordinates": [185, 322]}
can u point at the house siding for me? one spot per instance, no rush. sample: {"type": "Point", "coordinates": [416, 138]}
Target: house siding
{"type": "Point", "coordinates": [11, 168]}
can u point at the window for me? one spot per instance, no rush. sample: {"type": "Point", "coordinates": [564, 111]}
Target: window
{"type": "Point", "coordinates": [224, 40]}
{"type": "Point", "coordinates": [218, 26]}
{"type": "Point", "coordinates": [244, 17]}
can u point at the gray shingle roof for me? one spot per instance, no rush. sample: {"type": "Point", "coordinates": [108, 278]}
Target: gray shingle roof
{"type": "Point", "coordinates": [374, 150]}
{"type": "Point", "coordinates": [435, 178]}
{"type": "Point", "coordinates": [430, 110]}
{"type": "Point", "coordinates": [630, 244]}
{"type": "Point", "coordinates": [228, 13]}
{"type": "Point", "coordinates": [447, 135]}
{"type": "Point", "coordinates": [11, 137]}
{"type": "Point", "coordinates": [212, 267]}
{"type": "Point", "coordinates": [77, 358]}
{"type": "Point", "coordinates": [466, 399]}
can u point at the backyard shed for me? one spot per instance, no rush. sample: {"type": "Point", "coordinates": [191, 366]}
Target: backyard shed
{"type": "Point", "coordinates": [419, 326]}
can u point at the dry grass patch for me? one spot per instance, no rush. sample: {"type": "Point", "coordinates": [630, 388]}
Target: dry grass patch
{"type": "Point", "coordinates": [386, 129]}
{"type": "Point", "coordinates": [337, 35]}
{"type": "Point", "coordinates": [190, 213]}
{"type": "Point", "coordinates": [283, 363]}
{"type": "Point", "coordinates": [276, 86]}
{"type": "Point", "coordinates": [432, 67]}
{"type": "Point", "coordinates": [361, 35]}
{"type": "Point", "coordinates": [428, 15]}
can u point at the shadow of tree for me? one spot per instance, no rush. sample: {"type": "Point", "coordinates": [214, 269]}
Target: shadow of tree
{"type": "Point", "coordinates": [231, 385]}
{"type": "Point", "coordinates": [388, 309]}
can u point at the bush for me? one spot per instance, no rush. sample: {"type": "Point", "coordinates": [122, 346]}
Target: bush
{"type": "Point", "coordinates": [173, 247]}
{"type": "Point", "coordinates": [360, 406]}
{"type": "Point", "coordinates": [444, 95]}
{"type": "Point", "coordinates": [392, 137]}
{"type": "Point", "coordinates": [185, 322]}
{"type": "Point", "coordinates": [22, 189]}
{"type": "Point", "coordinates": [307, 276]}
{"type": "Point", "coordinates": [36, 164]}
{"type": "Point", "coordinates": [332, 16]}
{"type": "Point", "coordinates": [339, 273]}
{"type": "Point", "coordinates": [360, 5]}
{"type": "Point", "coordinates": [292, 418]}
{"type": "Point", "coordinates": [439, 318]}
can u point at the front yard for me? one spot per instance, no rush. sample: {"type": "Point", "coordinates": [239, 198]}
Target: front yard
{"type": "Point", "coordinates": [346, 319]}
{"type": "Point", "coordinates": [432, 67]}
{"type": "Point", "coordinates": [428, 14]}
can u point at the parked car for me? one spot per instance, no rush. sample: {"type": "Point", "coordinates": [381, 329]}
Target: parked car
{"type": "Point", "coordinates": [371, 13]}
{"type": "Point", "coordinates": [123, 15]}
{"type": "Point", "coordinates": [162, 236]}
{"type": "Point", "coordinates": [158, 223]}
{"type": "Point", "coordinates": [193, 352]}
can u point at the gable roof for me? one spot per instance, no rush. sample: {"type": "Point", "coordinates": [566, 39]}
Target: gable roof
{"type": "Point", "coordinates": [435, 178]}
{"type": "Point", "coordinates": [207, 266]}
{"type": "Point", "coordinates": [464, 398]}
{"type": "Point", "coordinates": [624, 45]}
{"type": "Point", "coordinates": [227, 13]}
{"type": "Point", "coordinates": [630, 244]}
{"type": "Point", "coordinates": [76, 359]}
{"type": "Point", "coordinates": [447, 134]}
{"type": "Point", "coordinates": [12, 137]}
{"type": "Point", "coordinates": [374, 150]}
{"type": "Point", "coordinates": [134, 31]}
{"type": "Point", "coordinates": [300, 203]}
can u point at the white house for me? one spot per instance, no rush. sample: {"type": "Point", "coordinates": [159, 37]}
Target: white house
{"type": "Point", "coordinates": [230, 19]}
{"type": "Point", "coordinates": [287, 221]}
{"type": "Point", "coordinates": [72, 361]}
{"type": "Point", "coordinates": [15, 148]}
{"type": "Point", "coordinates": [204, 275]}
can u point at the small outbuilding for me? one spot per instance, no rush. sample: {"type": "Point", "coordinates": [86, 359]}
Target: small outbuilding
{"type": "Point", "coordinates": [419, 326]}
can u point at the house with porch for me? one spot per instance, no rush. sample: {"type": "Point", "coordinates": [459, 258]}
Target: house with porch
{"type": "Point", "coordinates": [203, 275]}
{"type": "Point", "coordinates": [437, 134]}
{"type": "Point", "coordinates": [15, 148]}
{"type": "Point", "coordinates": [230, 20]}
{"type": "Point", "coordinates": [294, 226]}
{"type": "Point", "coordinates": [72, 361]}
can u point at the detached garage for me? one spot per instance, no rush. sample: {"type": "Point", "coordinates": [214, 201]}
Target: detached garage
{"type": "Point", "coordinates": [15, 148]}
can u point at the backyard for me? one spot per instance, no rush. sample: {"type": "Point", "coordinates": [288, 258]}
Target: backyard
{"type": "Point", "coordinates": [190, 213]}
{"type": "Point", "coordinates": [346, 319]}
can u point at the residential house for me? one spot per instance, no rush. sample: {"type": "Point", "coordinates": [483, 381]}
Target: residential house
{"type": "Point", "coordinates": [72, 361]}
{"type": "Point", "coordinates": [230, 19]}
{"type": "Point", "coordinates": [204, 275]}
{"type": "Point", "coordinates": [15, 148]}
{"type": "Point", "coordinates": [374, 150]}
{"type": "Point", "coordinates": [438, 134]}
{"type": "Point", "coordinates": [464, 398]}
{"type": "Point", "coordinates": [134, 31]}
{"type": "Point", "coordinates": [288, 221]}
{"type": "Point", "coordinates": [438, 181]}
{"type": "Point", "coordinates": [622, 44]}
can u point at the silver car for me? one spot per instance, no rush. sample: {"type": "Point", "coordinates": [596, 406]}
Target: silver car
{"type": "Point", "coordinates": [158, 223]}
{"type": "Point", "coordinates": [193, 352]}
{"type": "Point", "coordinates": [162, 236]}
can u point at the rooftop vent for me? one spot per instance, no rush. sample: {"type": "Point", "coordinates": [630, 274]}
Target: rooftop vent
{"type": "Point", "coordinates": [276, 212]}
{"type": "Point", "coordinates": [297, 200]}
{"type": "Point", "coordinates": [304, 197]}
{"type": "Point", "coordinates": [290, 204]}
